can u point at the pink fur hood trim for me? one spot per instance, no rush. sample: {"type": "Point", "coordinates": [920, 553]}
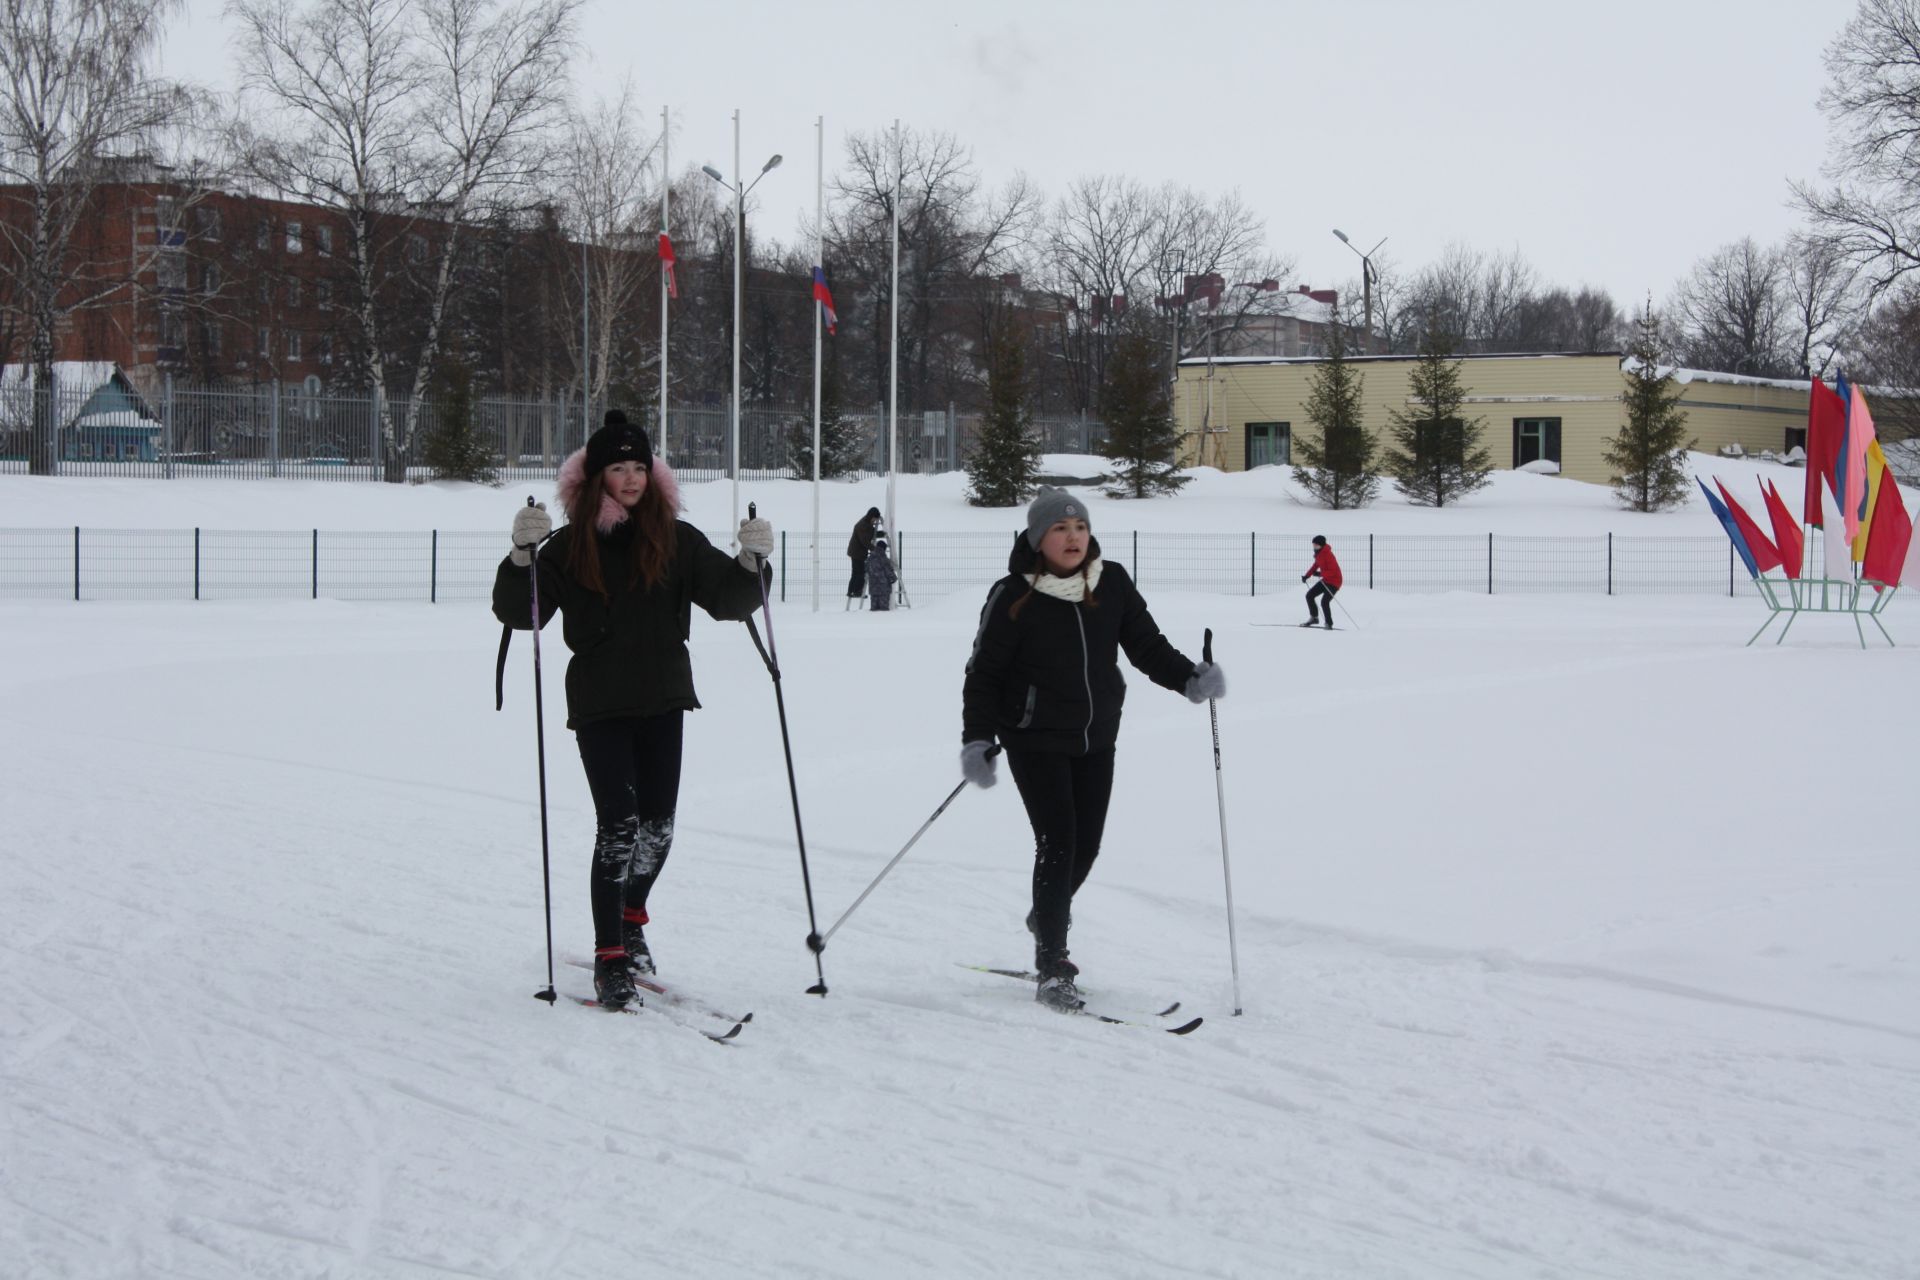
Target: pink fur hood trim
{"type": "Point", "coordinates": [573, 476]}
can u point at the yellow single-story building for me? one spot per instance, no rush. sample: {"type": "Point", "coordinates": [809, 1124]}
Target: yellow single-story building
{"type": "Point", "coordinates": [1241, 412]}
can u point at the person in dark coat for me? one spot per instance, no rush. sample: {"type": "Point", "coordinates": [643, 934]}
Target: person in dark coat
{"type": "Point", "coordinates": [1327, 569]}
{"type": "Point", "coordinates": [858, 546]}
{"type": "Point", "coordinates": [880, 575]}
{"type": "Point", "coordinates": [1044, 683]}
{"type": "Point", "coordinates": [626, 571]}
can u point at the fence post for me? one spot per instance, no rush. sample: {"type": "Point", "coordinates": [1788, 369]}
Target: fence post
{"type": "Point", "coordinates": [76, 562]}
{"type": "Point", "coordinates": [316, 564]}
{"type": "Point", "coordinates": [1136, 557]}
{"type": "Point", "coordinates": [783, 566]}
{"type": "Point", "coordinates": [433, 572]}
{"type": "Point", "coordinates": [1369, 562]}
{"type": "Point", "coordinates": [373, 441]}
{"type": "Point", "coordinates": [167, 434]}
{"type": "Point", "coordinates": [273, 434]}
{"type": "Point", "coordinates": [1729, 568]}
{"type": "Point", "coordinates": [196, 562]}
{"type": "Point", "coordinates": [1609, 563]}
{"type": "Point", "coordinates": [1489, 563]}
{"type": "Point", "coordinates": [1253, 564]}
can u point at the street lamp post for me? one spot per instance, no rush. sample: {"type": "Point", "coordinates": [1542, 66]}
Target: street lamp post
{"type": "Point", "coordinates": [739, 244]}
{"type": "Point", "coordinates": [1366, 284]}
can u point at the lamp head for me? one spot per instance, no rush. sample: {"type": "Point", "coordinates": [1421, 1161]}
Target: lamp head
{"type": "Point", "coordinates": [713, 173]}
{"type": "Point", "coordinates": [1337, 231]}
{"type": "Point", "coordinates": [771, 165]}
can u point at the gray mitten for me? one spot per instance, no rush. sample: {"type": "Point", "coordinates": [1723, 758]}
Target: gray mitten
{"type": "Point", "coordinates": [530, 528]}
{"type": "Point", "coordinates": [1207, 681]}
{"type": "Point", "coordinates": [976, 763]}
{"type": "Point", "coordinates": [756, 544]}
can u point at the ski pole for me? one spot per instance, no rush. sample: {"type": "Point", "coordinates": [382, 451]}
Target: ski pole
{"type": "Point", "coordinates": [770, 655]}
{"type": "Point", "coordinates": [1220, 790]}
{"type": "Point", "coordinates": [540, 741]}
{"type": "Point", "coordinates": [1343, 608]}
{"type": "Point", "coordinates": [825, 938]}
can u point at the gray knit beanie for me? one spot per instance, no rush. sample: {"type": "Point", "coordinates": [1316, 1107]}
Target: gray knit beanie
{"type": "Point", "coordinates": [1050, 507]}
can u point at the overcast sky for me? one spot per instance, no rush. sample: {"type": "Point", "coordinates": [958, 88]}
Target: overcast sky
{"type": "Point", "coordinates": [1611, 144]}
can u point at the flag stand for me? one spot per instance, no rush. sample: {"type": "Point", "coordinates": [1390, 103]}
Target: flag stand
{"type": "Point", "coordinates": [1837, 595]}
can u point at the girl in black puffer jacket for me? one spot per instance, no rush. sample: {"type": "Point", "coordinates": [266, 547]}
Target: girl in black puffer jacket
{"type": "Point", "coordinates": [1044, 681]}
{"type": "Point", "coordinates": [626, 571]}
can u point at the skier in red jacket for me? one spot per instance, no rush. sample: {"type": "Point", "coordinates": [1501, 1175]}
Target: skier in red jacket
{"type": "Point", "coordinates": [1327, 569]}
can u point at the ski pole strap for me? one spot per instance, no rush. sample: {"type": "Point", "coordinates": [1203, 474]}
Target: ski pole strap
{"type": "Point", "coordinates": [500, 668]}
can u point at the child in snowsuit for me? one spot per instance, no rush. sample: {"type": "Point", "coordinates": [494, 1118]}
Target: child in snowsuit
{"type": "Point", "coordinates": [1327, 569]}
{"type": "Point", "coordinates": [880, 575]}
{"type": "Point", "coordinates": [626, 571]}
{"type": "Point", "coordinates": [1044, 681]}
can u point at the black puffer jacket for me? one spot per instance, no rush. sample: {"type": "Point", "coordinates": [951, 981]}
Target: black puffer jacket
{"type": "Point", "coordinates": [630, 651]}
{"type": "Point", "coordinates": [1049, 680]}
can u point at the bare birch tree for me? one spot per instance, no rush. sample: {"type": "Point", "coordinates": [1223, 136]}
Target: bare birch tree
{"type": "Point", "coordinates": [1730, 311]}
{"type": "Point", "coordinates": [79, 108]}
{"type": "Point", "coordinates": [414, 119]}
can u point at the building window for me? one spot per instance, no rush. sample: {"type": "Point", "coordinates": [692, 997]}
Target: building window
{"type": "Point", "coordinates": [266, 341]}
{"type": "Point", "coordinates": [323, 294]}
{"type": "Point", "coordinates": [293, 292]}
{"type": "Point", "coordinates": [1796, 439]}
{"type": "Point", "coordinates": [263, 235]}
{"type": "Point", "coordinates": [326, 348]}
{"type": "Point", "coordinates": [215, 340]}
{"type": "Point", "coordinates": [1536, 440]}
{"type": "Point", "coordinates": [206, 222]}
{"type": "Point", "coordinates": [323, 241]}
{"type": "Point", "coordinates": [1269, 444]}
{"type": "Point", "coordinates": [293, 237]}
{"type": "Point", "coordinates": [166, 216]}
{"type": "Point", "coordinates": [170, 271]}
{"type": "Point", "coordinates": [210, 278]}
{"type": "Point", "coordinates": [293, 345]}
{"type": "Point", "coordinates": [416, 249]}
{"type": "Point", "coordinates": [170, 329]}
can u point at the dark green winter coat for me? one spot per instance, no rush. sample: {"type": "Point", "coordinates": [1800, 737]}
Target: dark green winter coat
{"type": "Point", "coordinates": [629, 650]}
{"type": "Point", "coordinates": [1049, 679]}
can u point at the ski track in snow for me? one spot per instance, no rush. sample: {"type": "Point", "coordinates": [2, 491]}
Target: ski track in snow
{"type": "Point", "coordinates": [270, 917]}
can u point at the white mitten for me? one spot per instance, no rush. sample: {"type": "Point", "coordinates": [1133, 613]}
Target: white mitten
{"type": "Point", "coordinates": [530, 528]}
{"type": "Point", "coordinates": [756, 544]}
{"type": "Point", "coordinates": [1207, 681]}
{"type": "Point", "coordinates": [976, 763]}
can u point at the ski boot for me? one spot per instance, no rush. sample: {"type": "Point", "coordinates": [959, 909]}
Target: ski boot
{"type": "Point", "coordinates": [1314, 621]}
{"type": "Point", "coordinates": [612, 980]}
{"type": "Point", "coordinates": [639, 958]}
{"type": "Point", "coordinates": [1057, 990]}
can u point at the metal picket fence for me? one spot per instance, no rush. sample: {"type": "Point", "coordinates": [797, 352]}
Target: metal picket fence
{"type": "Point", "coordinates": [103, 425]}
{"type": "Point", "coordinates": [82, 563]}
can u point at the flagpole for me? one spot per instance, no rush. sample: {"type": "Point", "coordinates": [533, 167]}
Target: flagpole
{"type": "Point", "coordinates": [820, 260]}
{"type": "Point", "coordinates": [893, 346]}
{"type": "Point", "coordinates": [739, 214]}
{"type": "Point", "coordinates": [666, 184]}
{"type": "Point", "coordinates": [586, 347]}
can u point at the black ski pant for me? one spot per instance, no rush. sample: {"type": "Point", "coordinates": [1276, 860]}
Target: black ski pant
{"type": "Point", "coordinates": [857, 584]}
{"type": "Point", "coordinates": [1314, 593]}
{"type": "Point", "coordinates": [1066, 799]}
{"type": "Point", "coordinates": [633, 770]}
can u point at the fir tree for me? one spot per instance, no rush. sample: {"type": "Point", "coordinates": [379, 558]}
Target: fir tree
{"type": "Point", "coordinates": [1649, 453]}
{"type": "Point", "coordinates": [843, 446]}
{"type": "Point", "coordinates": [1437, 456]}
{"type": "Point", "coordinates": [1139, 419]}
{"type": "Point", "coordinates": [454, 450]}
{"type": "Point", "coordinates": [1003, 467]}
{"type": "Point", "coordinates": [1338, 468]}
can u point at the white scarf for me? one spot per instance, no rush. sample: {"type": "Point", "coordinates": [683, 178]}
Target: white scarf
{"type": "Point", "coordinates": [1073, 588]}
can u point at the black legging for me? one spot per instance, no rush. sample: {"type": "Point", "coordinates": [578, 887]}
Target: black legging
{"type": "Point", "coordinates": [1314, 592]}
{"type": "Point", "coordinates": [1066, 798]}
{"type": "Point", "coordinates": [633, 770]}
{"type": "Point", "coordinates": [857, 584]}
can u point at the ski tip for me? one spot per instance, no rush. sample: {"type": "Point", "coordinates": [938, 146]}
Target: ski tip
{"type": "Point", "coordinates": [1185, 1028]}
{"type": "Point", "coordinates": [724, 1037]}
{"type": "Point", "coordinates": [1169, 1011]}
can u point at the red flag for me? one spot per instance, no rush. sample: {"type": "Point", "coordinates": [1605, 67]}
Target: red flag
{"type": "Point", "coordinates": [1786, 534]}
{"type": "Point", "coordinates": [1765, 555]}
{"type": "Point", "coordinates": [1826, 431]}
{"type": "Point", "coordinates": [1888, 537]}
{"type": "Point", "coordinates": [666, 265]}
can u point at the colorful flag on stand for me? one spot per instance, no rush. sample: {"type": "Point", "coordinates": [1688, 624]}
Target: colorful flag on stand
{"type": "Point", "coordinates": [1786, 532]}
{"type": "Point", "coordinates": [1826, 429]}
{"type": "Point", "coordinates": [1765, 555]}
{"type": "Point", "coordinates": [1834, 553]}
{"type": "Point", "coordinates": [1890, 539]}
{"type": "Point", "coordinates": [1877, 478]}
{"type": "Point", "coordinates": [1854, 460]}
{"type": "Point", "coordinates": [1733, 530]}
{"type": "Point", "coordinates": [666, 265]}
{"type": "Point", "coordinates": [824, 296]}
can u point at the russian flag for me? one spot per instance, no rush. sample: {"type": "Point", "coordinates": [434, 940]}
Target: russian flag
{"type": "Point", "coordinates": [823, 296]}
{"type": "Point", "coordinates": [667, 261]}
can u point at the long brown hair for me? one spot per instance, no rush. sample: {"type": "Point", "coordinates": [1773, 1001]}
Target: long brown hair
{"type": "Point", "coordinates": [653, 520]}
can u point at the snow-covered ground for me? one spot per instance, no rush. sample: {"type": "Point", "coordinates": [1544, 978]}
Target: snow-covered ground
{"type": "Point", "coordinates": [1574, 938]}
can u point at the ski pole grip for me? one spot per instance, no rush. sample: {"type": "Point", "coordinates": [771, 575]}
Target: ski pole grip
{"type": "Point", "coordinates": [531, 502]}
{"type": "Point", "coordinates": [1206, 647]}
{"type": "Point", "coordinates": [753, 509]}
